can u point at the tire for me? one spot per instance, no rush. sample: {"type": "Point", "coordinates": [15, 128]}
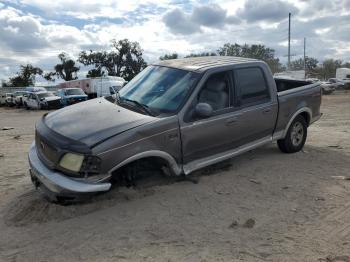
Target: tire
{"type": "Point", "coordinates": [295, 137]}
{"type": "Point", "coordinates": [26, 106]}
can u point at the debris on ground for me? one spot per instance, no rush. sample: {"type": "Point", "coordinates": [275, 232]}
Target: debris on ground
{"type": "Point", "coordinates": [336, 146]}
{"type": "Point", "coordinates": [249, 223]}
{"type": "Point", "coordinates": [341, 177]}
{"type": "Point", "coordinates": [1, 155]}
{"type": "Point", "coordinates": [320, 199]}
{"type": "Point", "coordinates": [336, 259]}
{"type": "Point", "coordinates": [255, 181]}
{"type": "Point", "coordinates": [7, 128]}
{"type": "Point", "coordinates": [221, 192]}
{"type": "Point", "coordinates": [17, 137]}
{"type": "Point", "coordinates": [234, 224]}
{"type": "Point", "coordinates": [285, 187]}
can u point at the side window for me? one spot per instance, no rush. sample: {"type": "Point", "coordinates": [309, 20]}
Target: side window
{"type": "Point", "coordinates": [251, 86]}
{"type": "Point", "coordinates": [111, 90]}
{"type": "Point", "coordinates": [216, 91]}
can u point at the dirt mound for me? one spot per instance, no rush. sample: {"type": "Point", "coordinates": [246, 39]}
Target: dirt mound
{"type": "Point", "coordinates": [31, 207]}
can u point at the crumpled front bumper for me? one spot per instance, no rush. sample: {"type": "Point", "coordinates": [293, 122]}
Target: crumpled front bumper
{"type": "Point", "coordinates": [53, 183]}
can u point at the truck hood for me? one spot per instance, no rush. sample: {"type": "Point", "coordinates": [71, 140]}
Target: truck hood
{"type": "Point", "coordinates": [52, 98]}
{"type": "Point", "coordinates": [94, 121]}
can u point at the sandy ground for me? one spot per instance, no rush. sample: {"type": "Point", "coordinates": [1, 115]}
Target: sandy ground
{"type": "Point", "coordinates": [261, 206]}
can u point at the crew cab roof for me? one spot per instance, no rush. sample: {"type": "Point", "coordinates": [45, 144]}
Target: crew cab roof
{"type": "Point", "coordinates": [201, 64]}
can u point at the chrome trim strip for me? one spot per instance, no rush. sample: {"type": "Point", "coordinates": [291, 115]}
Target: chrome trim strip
{"type": "Point", "coordinates": [200, 163]}
{"type": "Point", "coordinates": [175, 168]}
{"type": "Point", "coordinates": [58, 182]}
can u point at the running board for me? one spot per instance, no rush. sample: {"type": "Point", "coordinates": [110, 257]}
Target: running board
{"type": "Point", "coordinates": [207, 161]}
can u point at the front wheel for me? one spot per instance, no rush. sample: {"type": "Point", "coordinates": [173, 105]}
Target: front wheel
{"type": "Point", "coordinates": [295, 137]}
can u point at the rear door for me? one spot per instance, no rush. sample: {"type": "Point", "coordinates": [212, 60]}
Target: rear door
{"type": "Point", "coordinates": [256, 105]}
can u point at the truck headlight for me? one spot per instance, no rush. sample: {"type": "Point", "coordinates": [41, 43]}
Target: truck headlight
{"type": "Point", "coordinates": [72, 161]}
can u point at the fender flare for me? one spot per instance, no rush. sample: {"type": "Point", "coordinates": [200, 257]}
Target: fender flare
{"type": "Point", "coordinates": [298, 112]}
{"type": "Point", "coordinates": [174, 167]}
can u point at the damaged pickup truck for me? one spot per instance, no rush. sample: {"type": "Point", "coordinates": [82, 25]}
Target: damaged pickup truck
{"type": "Point", "coordinates": [179, 115]}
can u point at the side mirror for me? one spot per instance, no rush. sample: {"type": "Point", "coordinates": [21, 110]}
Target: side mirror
{"type": "Point", "coordinates": [203, 110]}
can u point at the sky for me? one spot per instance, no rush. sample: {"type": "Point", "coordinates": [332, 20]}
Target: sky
{"type": "Point", "coordinates": [36, 31]}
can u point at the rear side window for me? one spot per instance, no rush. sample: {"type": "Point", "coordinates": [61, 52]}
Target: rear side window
{"type": "Point", "coordinates": [252, 87]}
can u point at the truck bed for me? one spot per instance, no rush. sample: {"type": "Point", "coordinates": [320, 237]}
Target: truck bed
{"type": "Point", "coordinates": [294, 95]}
{"type": "Point", "coordinates": [288, 84]}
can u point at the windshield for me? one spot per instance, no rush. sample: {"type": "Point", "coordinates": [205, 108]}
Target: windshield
{"type": "Point", "coordinates": [161, 89]}
{"type": "Point", "coordinates": [42, 95]}
{"type": "Point", "coordinates": [75, 91]}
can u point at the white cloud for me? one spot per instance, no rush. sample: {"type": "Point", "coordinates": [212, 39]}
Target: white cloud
{"type": "Point", "coordinates": [89, 9]}
{"type": "Point", "coordinates": [34, 31]}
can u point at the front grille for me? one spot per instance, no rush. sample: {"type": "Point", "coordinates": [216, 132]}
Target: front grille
{"type": "Point", "coordinates": [48, 153]}
{"type": "Point", "coordinates": [54, 104]}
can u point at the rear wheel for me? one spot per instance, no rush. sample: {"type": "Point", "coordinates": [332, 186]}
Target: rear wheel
{"type": "Point", "coordinates": [295, 137]}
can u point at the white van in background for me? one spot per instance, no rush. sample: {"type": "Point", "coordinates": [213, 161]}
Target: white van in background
{"type": "Point", "coordinates": [96, 87]}
{"type": "Point", "coordinates": [343, 75]}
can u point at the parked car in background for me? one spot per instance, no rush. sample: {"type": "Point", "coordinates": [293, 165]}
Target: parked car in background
{"type": "Point", "coordinates": [71, 96]}
{"type": "Point", "coordinates": [42, 100]}
{"type": "Point", "coordinates": [312, 80]}
{"type": "Point", "coordinates": [2, 99]}
{"type": "Point", "coordinates": [336, 83]}
{"type": "Point", "coordinates": [20, 96]}
{"type": "Point", "coordinates": [96, 87]}
{"type": "Point", "coordinates": [178, 115]}
{"type": "Point", "coordinates": [327, 88]}
{"type": "Point", "coordinates": [10, 99]}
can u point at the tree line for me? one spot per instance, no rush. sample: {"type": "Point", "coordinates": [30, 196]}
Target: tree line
{"type": "Point", "coordinates": [125, 59]}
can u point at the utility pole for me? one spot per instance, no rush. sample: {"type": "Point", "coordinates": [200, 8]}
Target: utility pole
{"type": "Point", "coordinates": [289, 41]}
{"type": "Point", "coordinates": [304, 58]}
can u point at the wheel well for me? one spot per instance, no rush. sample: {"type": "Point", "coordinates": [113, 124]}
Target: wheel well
{"type": "Point", "coordinates": [126, 175]}
{"type": "Point", "coordinates": [306, 116]}
{"type": "Point", "coordinates": [153, 162]}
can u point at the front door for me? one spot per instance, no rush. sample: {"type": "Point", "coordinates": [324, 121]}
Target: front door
{"type": "Point", "coordinates": [205, 137]}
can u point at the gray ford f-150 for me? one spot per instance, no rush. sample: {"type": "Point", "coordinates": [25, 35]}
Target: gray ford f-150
{"type": "Point", "coordinates": [181, 114]}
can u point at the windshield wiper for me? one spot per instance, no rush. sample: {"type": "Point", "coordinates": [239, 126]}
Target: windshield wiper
{"type": "Point", "coordinates": [145, 108]}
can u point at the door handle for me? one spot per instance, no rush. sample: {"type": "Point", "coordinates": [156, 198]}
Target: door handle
{"type": "Point", "coordinates": [172, 136]}
{"type": "Point", "coordinates": [231, 121]}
